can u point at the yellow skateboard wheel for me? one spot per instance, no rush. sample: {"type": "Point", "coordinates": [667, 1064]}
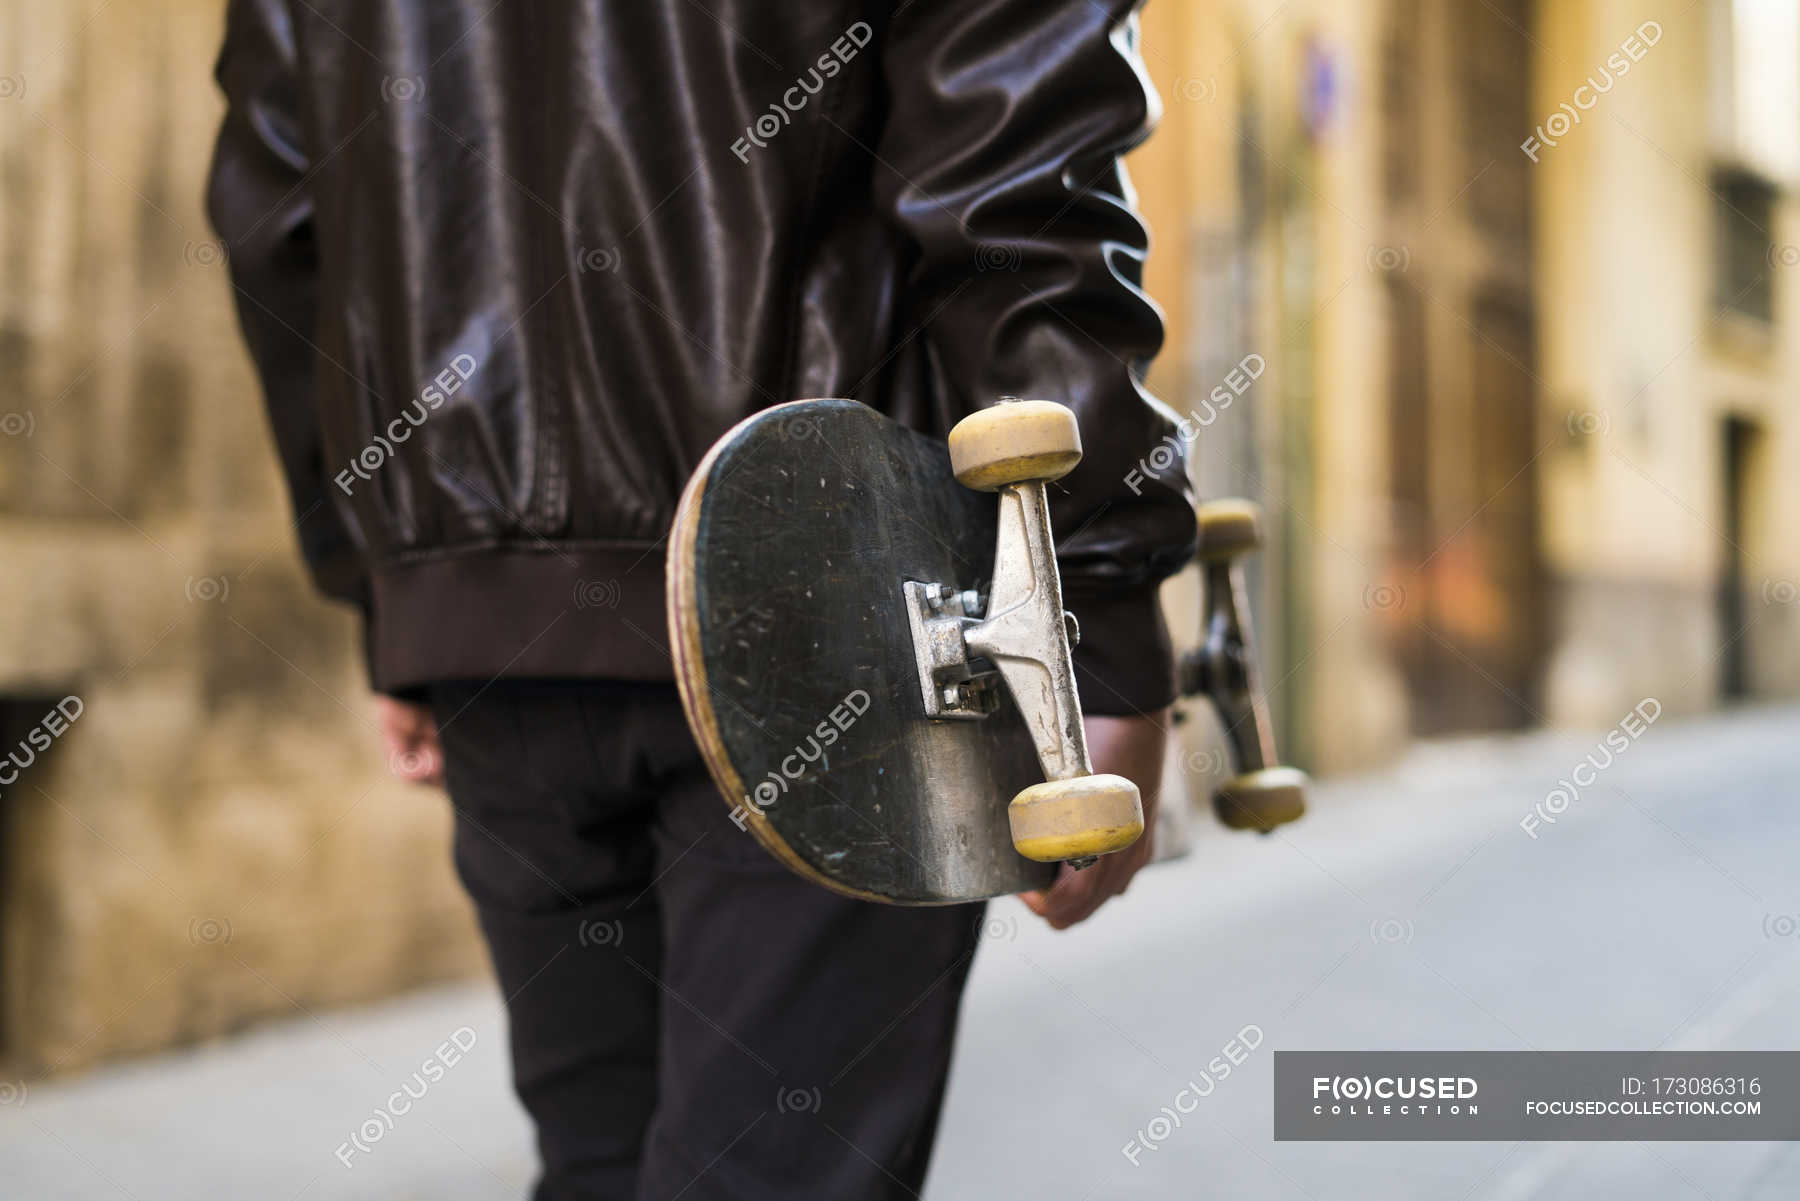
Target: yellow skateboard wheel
{"type": "Point", "coordinates": [1015, 442]}
{"type": "Point", "coordinates": [1072, 819]}
{"type": "Point", "coordinates": [1261, 800]}
{"type": "Point", "coordinates": [1228, 528]}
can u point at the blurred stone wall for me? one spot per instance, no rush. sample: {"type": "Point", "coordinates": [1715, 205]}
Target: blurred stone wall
{"type": "Point", "coordinates": [215, 838]}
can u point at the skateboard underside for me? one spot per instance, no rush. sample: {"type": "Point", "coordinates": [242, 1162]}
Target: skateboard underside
{"type": "Point", "coordinates": [796, 664]}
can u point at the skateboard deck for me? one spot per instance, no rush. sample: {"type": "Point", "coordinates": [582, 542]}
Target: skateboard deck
{"type": "Point", "coordinates": [796, 662]}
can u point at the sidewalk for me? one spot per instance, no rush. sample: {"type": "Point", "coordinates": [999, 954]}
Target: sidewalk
{"type": "Point", "coordinates": [1410, 910]}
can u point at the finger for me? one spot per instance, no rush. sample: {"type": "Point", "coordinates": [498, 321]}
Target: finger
{"type": "Point", "coordinates": [409, 739]}
{"type": "Point", "coordinates": [413, 757]}
{"type": "Point", "coordinates": [1075, 896]}
{"type": "Point", "coordinates": [433, 750]}
{"type": "Point", "coordinates": [413, 723]}
{"type": "Point", "coordinates": [1098, 884]}
{"type": "Point", "coordinates": [1045, 901]}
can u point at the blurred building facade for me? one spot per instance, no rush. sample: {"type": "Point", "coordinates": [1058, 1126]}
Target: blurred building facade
{"type": "Point", "coordinates": [1524, 277]}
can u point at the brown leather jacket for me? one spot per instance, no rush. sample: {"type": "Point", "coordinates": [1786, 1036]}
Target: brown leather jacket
{"type": "Point", "coordinates": [508, 270]}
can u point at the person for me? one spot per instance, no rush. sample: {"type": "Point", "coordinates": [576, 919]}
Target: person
{"type": "Point", "coordinates": [506, 270]}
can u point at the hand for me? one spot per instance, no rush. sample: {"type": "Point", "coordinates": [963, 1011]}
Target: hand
{"type": "Point", "coordinates": [409, 738]}
{"type": "Point", "coordinates": [1127, 746]}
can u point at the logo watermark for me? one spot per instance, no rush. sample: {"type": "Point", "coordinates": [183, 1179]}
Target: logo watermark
{"type": "Point", "coordinates": [837, 723]}
{"type": "Point", "coordinates": [999, 927]}
{"type": "Point", "coordinates": [1568, 115]}
{"type": "Point", "coordinates": [1384, 259]}
{"type": "Point", "coordinates": [1168, 1119]}
{"type": "Point", "coordinates": [603, 260]}
{"type": "Point", "coordinates": [1210, 764]}
{"type": "Point", "coordinates": [1781, 926]}
{"type": "Point", "coordinates": [801, 429]}
{"type": "Point", "coordinates": [1167, 453]}
{"type": "Point", "coordinates": [402, 89]}
{"type": "Point", "coordinates": [598, 594]}
{"type": "Point", "coordinates": [1618, 740]}
{"type": "Point", "coordinates": [1384, 597]}
{"type": "Point", "coordinates": [1391, 930]}
{"type": "Point", "coordinates": [760, 132]}
{"type": "Point", "coordinates": [204, 254]}
{"type": "Point", "coordinates": [208, 589]}
{"type": "Point", "coordinates": [998, 256]}
{"type": "Point", "coordinates": [1585, 423]}
{"type": "Point", "coordinates": [1195, 90]}
{"type": "Point", "coordinates": [601, 933]}
{"type": "Point", "coordinates": [400, 1102]}
{"type": "Point", "coordinates": [1413, 1093]}
{"type": "Point", "coordinates": [209, 931]}
{"type": "Point", "coordinates": [375, 455]}
{"type": "Point", "coordinates": [799, 1100]}
{"type": "Point", "coordinates": [40, 737]}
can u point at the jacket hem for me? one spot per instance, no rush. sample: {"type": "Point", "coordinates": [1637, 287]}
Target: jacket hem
{"type": "Point", "coordinates": [566, 611]}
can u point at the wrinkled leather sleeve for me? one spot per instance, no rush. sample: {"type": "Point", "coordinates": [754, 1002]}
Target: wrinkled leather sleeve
{"type": "Point", "coordinates": [1002, 144]}
{"type": "Point", "coordinates": [259, 206]}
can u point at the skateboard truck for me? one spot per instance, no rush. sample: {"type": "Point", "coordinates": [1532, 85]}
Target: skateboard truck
{"type": "Point", "coordinates": [1264, 794]}
{"type": "Point", "coordinates": [1020, 634]}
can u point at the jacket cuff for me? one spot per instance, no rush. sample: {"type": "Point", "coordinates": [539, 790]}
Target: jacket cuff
{"type": "Point", "coordinates": [1124, 663]}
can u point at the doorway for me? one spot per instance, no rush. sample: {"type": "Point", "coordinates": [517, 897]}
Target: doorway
{"type": "Point", "coordinates": [1740, 442]}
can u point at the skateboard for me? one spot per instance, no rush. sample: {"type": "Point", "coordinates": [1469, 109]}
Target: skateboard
{"type": "Point", "coordinates": [1263, 794]}
{"type": "Point", "coordinates": [870, 644]}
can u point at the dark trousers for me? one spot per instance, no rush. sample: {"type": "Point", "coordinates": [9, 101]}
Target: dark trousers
{"type": "Point", "coordinates": [687, 1017]}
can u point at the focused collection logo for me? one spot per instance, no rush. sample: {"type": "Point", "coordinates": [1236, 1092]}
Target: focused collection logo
{"type": "Point", "coordinates": [1395, 1096]}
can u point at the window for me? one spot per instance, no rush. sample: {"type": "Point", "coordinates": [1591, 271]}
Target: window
{"type": "Point", "coordinates": [1744, 207]}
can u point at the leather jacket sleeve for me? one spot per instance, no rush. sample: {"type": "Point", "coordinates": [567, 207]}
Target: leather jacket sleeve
{"type": "Point", "coordinates": [1000, 161]}
{"type": "Point", "coordinates": [259, 205]}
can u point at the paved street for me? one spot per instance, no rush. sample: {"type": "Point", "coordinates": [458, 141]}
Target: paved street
{"type": "Point", "coordinates": [1409, 911]}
